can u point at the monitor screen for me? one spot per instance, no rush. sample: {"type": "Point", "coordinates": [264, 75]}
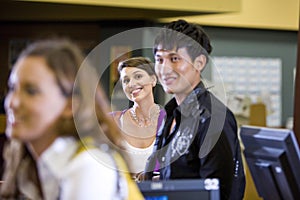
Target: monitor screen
{"type": "Point", "coordinates": [273, 158]}
{"type": "Point", "coordinates": [189, 189]}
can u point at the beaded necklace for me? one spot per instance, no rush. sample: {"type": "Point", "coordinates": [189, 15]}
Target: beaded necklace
{"type": "Point", "coordinates": [145, 121]}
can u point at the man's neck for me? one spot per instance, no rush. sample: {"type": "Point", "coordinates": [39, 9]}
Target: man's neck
{"type": "Point", "coordinates": [180, 97]}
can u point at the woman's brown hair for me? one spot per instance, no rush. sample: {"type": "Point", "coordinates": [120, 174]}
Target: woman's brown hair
{"type": "Point", "coordinates": [65, 58]}
{"type": "Point", "coordinates": [90, 110]}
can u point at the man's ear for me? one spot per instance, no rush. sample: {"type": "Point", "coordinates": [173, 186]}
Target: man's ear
{"type": "Point", "coordinates": [200, 62]}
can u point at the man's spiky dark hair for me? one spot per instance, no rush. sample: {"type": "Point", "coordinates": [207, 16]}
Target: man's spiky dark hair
{"type": "Point", "coordinates": [179, 34]}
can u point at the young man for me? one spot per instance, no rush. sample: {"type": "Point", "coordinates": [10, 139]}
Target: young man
{"type": "Point", "coordinates": [199, 138]}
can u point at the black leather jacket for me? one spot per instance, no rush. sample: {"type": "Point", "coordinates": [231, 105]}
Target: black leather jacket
{"type": "Point", "coordinates": [203, 144]}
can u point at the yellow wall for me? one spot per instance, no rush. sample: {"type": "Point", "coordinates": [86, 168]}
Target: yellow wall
{"type": "Point", "coordinates": [262, 14]}
{"type": "Point", "coordinates": [187, 5]}
{"type": "Point", "coordinates": [265, 14]}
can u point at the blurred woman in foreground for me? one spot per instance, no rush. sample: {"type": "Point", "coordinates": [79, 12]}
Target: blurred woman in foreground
{"type": "Point", "coordinates": [62, 144]}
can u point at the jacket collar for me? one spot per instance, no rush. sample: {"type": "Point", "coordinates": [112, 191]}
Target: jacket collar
{"type": "Point", "coordinates": [190, 105]}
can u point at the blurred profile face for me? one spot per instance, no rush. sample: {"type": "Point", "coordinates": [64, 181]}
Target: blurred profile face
{"type": "Point", "coordinates": [34, 101]}
{"type": "Point", "coordinates": [137, 84]}
{"type": "Point", "coordinates": [176, 71]}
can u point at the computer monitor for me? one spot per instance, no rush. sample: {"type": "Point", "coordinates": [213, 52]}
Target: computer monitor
{"type": "Point", "coordinates": [273, 158]}
{"type": "Point", "coordinates": [189, 189]}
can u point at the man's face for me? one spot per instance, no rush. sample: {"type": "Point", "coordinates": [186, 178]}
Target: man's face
{"type": "Point", "coordinates": [176, 72]}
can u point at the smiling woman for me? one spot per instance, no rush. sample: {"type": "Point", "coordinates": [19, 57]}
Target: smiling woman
{"type": "Point", "coordinates": [56, 150]}
{"type": "Point", "coordinates": [33, 104]}
{"type": "Point", "coordinates": [139, 123]}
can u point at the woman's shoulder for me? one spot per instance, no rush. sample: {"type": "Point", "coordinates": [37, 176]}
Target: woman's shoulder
{"type": "Point", "coordinates": [117, 114]}
{"type": "Point", "coordinates": [92, 157]}
{"type": "Point", "coordinates": [106, 168]}
{"type": "Point", "coordinates": [94, 173]}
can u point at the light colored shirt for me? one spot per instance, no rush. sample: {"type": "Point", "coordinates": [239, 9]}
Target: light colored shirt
{"type": "Point", "coordinates": [90, 174]}
{"type": "Point", "coordinates": [137, 157]}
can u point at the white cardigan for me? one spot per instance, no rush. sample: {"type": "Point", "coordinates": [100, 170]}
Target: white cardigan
{"type": "Point", "coordinates": [91, 174]}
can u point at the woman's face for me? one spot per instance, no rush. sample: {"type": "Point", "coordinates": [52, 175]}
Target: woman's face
{"type": "Point", "coordinates": [137, 83]}
{"type": "Point", "coordinates": [34, 102]}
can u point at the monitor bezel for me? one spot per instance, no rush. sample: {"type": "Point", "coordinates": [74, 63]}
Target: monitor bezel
{"type": "Point", "coordinates": [211, 186]}
{"type": "Point", "coordinates": [273, 157]}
